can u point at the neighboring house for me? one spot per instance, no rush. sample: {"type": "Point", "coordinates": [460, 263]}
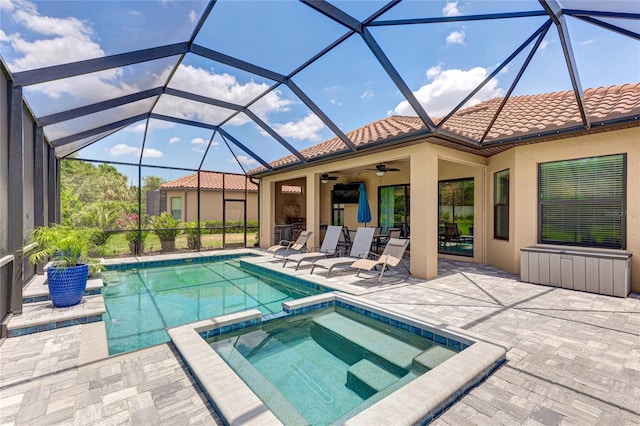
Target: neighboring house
{"type": "Point", "coordinates": [180, 197]}
{"type": "Point", "coordinates": [536, 177]}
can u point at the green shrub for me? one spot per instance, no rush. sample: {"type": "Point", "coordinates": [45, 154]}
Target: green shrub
{"type": "Point", "coordinates": [165, 226]}
{"type": "Point", "coordinates": [191, 232]}
{"type": "Point", "coordinates": [66, 246]}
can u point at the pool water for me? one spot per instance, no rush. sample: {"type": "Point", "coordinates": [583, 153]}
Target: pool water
{"type": "Point", "coordinates": [142, 303]}
{"type": "Point", "coordinates": [324, 367]}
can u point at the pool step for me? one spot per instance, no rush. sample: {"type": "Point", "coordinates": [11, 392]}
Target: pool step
{"type": "Point", "coordinates": [433, 356]}
{"type": "Point", "coordinates": [42, 316]}
{"type": "Point", "coordinates": [399, 354]}
{"type": "Point", "coordinates": [366, 378]}
{"type": "Point", "coordinates": [38, 289]}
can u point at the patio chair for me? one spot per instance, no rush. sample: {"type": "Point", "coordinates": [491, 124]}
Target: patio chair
{"type": "Point", "coordinates": [359, 250]}
{"type": "Point", "coordinates": [390, 257]}
{"type": "Point", "coordinates": [344, 243]}
{"type": "Point", "coordinates": [298, 245]}
{"type": "Point", "coordinates": [329, 248]}
{"type": "Point", "coordinates": [382, 240]}
{"type": "Point", "coordinates": [451, 234]}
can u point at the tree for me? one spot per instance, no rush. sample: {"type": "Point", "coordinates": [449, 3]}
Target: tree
{"type": "Point", "coordinates": [151, 183]}
{"type": "Point", "coordinates": [93, 195]}
{"type": "Point", "coordinates": [92, 183]}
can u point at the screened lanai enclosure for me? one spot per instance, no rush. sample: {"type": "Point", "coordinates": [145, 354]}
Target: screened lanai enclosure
{"type": "Point", "coordinates": [134, 116]}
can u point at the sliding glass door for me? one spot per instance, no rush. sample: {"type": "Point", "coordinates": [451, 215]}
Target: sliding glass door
{"type": "Point", "coordinates": [455, 211]}
{"type": "Point", "coordinates": [393, 208]}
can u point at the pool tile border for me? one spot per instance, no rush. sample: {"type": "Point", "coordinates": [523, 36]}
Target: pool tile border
{"type": "Point", "coordinates": [438, 389]}
{"type": "Point", "coordinates": [15, 332]}
{"type": "Point", "coordinates": [135, 263]}
{"type": "Point", "coordinates": [45, 297]}
{"type": "Point", "coordinates": [282, 277]}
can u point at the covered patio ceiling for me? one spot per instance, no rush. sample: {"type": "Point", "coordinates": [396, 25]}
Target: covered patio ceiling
{"type": "Point", "coordinates": [235, 85]}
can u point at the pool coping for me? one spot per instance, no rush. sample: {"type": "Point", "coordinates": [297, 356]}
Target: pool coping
{"type": "Point", "coordinates": [420, 401]}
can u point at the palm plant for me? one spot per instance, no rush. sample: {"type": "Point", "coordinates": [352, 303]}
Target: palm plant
{"type": "Point", "coordinates": [69, 249]}
{"type": "Point", "coordinates": [66, 246]}
{"type": "Point", "coordinates": [165, 226]}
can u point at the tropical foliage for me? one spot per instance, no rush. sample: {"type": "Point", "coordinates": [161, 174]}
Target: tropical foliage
{"type": "Point", "coordinates": [165, 226]}
{"type": "Point", "coordinates": [66, 246]}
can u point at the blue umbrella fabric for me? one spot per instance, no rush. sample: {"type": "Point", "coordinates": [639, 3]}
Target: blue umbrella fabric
{"type": "Point", "coordinates": [364, 212]}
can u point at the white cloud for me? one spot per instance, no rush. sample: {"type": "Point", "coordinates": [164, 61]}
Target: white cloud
{"type": "Point", "coordinates": [451, 9]}
{"type": "Point", "coordinates": [174, 139]}
{"type": "Point", "coordinates": [199, 141]}
{"type": "Point", "coordinates": [52, 41]}
{"type": "Point", "coordinates": [152, 153]}
{"type": "Point", "coordinates": [201, 144]}
{"type": "Point", "coordinates": [3, 36]}
{"type": "Point", "coordinates": [67, 39]}
{"type": "Point", "coordinates": [434, 71]}
{"type": "Point", "coordinates": [133, 12]}
{"type": "Point", "coordinates": [366, 95]}
{"type": "Point", "coordinates": [448, 88]}
{"type": "Point", "coordinates": [307, 128]}
{"type": "Point", "coordinates": [246, 161]}
{"type": "Point", "coordinates": [192, 16]}
{"type": "Point", "coordinates": [123, 149]}
{"type": "Point", "coordinates": [219, 86]}
{"type": "Point", "coordinates": [586, 42]}
{"type": "Point", "coordinates": [6, 5]}
{"type": "Point", "coordinates": [544, 45]}
{"type": "Point", "coordinates": [153, 125]}
{"type": "Point", "coordinates": [456, 37]}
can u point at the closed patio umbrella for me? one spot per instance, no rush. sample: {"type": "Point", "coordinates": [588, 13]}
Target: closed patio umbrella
{"type": "Point", "coordinates": [364, 212]}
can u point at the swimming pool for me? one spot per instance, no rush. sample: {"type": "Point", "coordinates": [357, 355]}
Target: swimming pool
{"type": "Point", "coordinates": [142, 302]}
{"type": "Point", "coordinates": [322, 367]}
{"type": "Point", "coordinates": [411, 401]}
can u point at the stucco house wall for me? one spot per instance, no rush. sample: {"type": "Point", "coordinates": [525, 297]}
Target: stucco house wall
{"type": "Point", "coordinates": [526, 163]}
{"type": "Point", "coordinates": [211, 203]}
{"type": "Point", "coordinates": [429, 163]}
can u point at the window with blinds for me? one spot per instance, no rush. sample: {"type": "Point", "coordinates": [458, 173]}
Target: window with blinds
{"type": "Point", "coordinates": [501, 205]}
{"type": "Point", "coordinates": [582, 202]}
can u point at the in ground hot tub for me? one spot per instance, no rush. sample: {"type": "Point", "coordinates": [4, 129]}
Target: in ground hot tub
{"type": "Point", "coordinates": [333, 359]}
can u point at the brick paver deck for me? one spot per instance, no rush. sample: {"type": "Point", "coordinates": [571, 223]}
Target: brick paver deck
{"type": "Point", "coordinates": [575, 359]}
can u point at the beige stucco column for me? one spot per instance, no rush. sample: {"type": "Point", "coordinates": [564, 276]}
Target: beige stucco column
{"type": "Point", "coordinates": [312, 194]}
{"type": "Point", "coordinates": [424, 212]}
{"type": "Point", "coordinates": [267, 213]}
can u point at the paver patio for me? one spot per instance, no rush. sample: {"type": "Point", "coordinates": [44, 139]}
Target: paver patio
{"type": "Point", "coordinates": [575, 359]}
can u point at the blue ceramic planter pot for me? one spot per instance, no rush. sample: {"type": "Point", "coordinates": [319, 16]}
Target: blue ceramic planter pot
{"type": "Point", "coordinates": [67, 285]}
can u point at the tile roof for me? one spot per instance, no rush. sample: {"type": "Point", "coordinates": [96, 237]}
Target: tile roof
{"type": "Point", "coordinates": [521, 116]}
{"type": "Point", "coordinates": [211, 180]}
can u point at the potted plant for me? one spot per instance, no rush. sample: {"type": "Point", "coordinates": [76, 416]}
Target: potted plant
{"type": "Point", "coordinates": [165, 227]}
{"type": "Point", "coordinates": [69, 249]}
{"type": "Point", "coordinates": [193, 237]}
{"type": "Point", "coordinates": [135, 238]}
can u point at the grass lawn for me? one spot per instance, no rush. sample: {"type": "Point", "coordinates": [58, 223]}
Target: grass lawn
{"type": "Point", "coordinates": [117, 244]}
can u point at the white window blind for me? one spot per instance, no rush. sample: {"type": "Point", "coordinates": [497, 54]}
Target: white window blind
{"type": "Point", "coordinates": [582, 202]}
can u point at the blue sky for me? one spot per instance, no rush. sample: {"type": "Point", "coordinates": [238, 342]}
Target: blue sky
{"type": "Point", "coordinates": [440, 63]}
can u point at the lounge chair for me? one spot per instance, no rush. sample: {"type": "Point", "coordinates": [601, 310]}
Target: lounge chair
{"type": "Point", "coordinates": [328, 248]}
{"type": "Point", "coordinates": [298, 245]}
{"type": "Point", "coordinates": [390, 257]}
{"type": "Point", "coordinates": [359, 250]}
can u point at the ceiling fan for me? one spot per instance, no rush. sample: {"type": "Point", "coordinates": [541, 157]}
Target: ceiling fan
{"type": "Point", "coordinates": [325, 178]}
{"type": "Point", "coordinates": [381, 169]}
